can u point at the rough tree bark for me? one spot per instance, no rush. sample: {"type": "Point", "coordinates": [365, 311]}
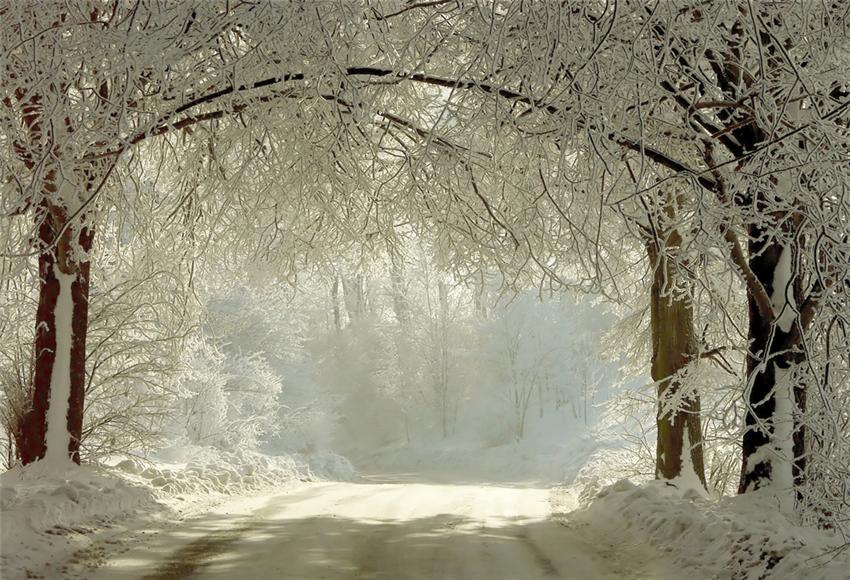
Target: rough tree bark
{"type": "Point", "coordinates": [673, 348]}
{"type": "Point", "coordinates": [775, 349]}
{"type": "Point", "coordinates": [774, 440]}
{"type": "Point", "coordinates": [62, 243]}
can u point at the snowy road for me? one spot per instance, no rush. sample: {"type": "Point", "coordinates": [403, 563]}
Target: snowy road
{"type": "Point", "coordinates": [388, 528]}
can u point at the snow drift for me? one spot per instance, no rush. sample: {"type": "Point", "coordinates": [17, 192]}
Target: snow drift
{"type": "Point", "coordinates": [48, 515]}
{"type": "Point", "coordinates": [743, 537]}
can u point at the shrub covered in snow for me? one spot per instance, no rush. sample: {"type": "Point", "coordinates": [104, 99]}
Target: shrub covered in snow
{"type": "Point", "coordinates": [190, 470]}
{"type": "Point", "coordinates": [331, 466]}
{"type": "Point", "coordinates": [197, 470]}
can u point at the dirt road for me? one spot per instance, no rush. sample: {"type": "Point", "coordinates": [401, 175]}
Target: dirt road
{"type": "Point", "coordinates": [392, 529]}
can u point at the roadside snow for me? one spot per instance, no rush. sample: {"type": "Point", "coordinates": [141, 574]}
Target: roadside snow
{"type": "Point", "coordinates": [46, 515]}
{"type": "Point", "coordinates": [744, 537]}
{"type": "Point", "coordinates": [50, 518]}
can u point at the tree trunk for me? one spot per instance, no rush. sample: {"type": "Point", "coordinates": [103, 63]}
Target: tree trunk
{"type": "Point", "coordinates": [774, 438]}
{"type": "Point", "coordinates": [353, 295]}
{"type": "Point", "coordinates": [480, 295]}
{"type": "Point", "coordinates": [444, 357]}
{"type": "Point", "coordinates": [335, 303]}
{"type": "Point", "coordinates": [52, 427]}
{"type": "Point", "coordinates": [673, 348]}
{"type": "Point", "coordinates": [406, 427]}
{"type": "Point", "coordinates": [401, 308]}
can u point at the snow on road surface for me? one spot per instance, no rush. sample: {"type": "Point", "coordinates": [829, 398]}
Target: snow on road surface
{"type": "Point", "coordinates": [385, 528]}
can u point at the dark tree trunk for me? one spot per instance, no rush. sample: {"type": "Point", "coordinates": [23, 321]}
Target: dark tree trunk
{"type": "Point", "coordinates": [55, 236]}
{"type": "Point", "coordinates": [34, 423]}
{"type": "Point", "coordinates": [80, 327]}
{"type": "Point", "coordinates": [772, 346]}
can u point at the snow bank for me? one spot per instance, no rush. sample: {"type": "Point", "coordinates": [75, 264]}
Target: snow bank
{"type": "Point", "coordinates": [48, 515]}
{"type": "Point", "coordinates": [52, 516]}
{"type": "Point", "coordinates": [744, 537]}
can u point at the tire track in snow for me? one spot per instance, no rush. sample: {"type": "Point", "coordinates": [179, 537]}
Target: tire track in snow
{"type": "Point", "coordinates": [539, 556]}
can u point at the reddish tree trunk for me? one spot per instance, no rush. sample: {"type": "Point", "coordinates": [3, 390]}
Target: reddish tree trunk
{"type": "Point", "coordinates": [55, 237]}
{"type": "Point", "coordinates": [80, 327]}
{"type": "Point", "coordinates": [34, 424]}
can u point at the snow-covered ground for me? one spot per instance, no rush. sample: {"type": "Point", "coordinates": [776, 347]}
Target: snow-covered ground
{"type": "Point", "coordinates": [549, 506]}
{"type": "Point", "coordinates": [554, 450]}
{"type": "Point", "coordinates": [418, 526]}
{"type": "Point", "coordinates": [390, 528]}
{"type": "Point", "coordinates": [743, 537]}
{"type": "Point", "coordinates": [688, 532]}
{"type": "Point", "coordinates": [54, 524]}
{"type": "Point", "coordinates": [217, 515]}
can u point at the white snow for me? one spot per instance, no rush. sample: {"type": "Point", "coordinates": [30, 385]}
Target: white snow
{"type": "Point", "coordinates": [57, 436]}
{"type": "Point", "coordinates": [50, 519]}
{"type": "Point", "coordinates": [190, 470]}
{"type": "Point", "coordinates": [782, 460]}
{"type": "Point", "coordinates": [688, 478]}
{"type": "Point", "coordinates": [743, 537]}
{"type": "Point", "coordinates": [47, 514]}
{"type": "Point", "coordinates": [437, 519]}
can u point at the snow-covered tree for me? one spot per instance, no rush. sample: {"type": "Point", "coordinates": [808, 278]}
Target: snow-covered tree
{"type": "Point", "coordinates": [216, 82]}
{"type": "Point", "coordinates": [717, 131]}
